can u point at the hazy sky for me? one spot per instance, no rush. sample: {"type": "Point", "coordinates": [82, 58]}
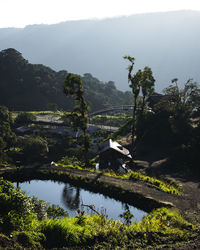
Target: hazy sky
{"type": "Point", "coordinates": [19, 13]}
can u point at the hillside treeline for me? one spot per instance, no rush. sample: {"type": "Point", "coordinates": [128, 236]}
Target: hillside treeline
{"type": "Point", "coordinates": [26, 86]}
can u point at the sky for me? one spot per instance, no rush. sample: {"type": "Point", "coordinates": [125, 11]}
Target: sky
{"type": "Point", "coordinates": [20, 13]}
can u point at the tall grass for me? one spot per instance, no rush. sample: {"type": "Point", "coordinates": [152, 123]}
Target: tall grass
{"type": "Point", "coordinates": [172, 188]}
{"type": "Point", "coordinates": [66, 232]}
{"type": "Point", "coordinates": [160, 226]}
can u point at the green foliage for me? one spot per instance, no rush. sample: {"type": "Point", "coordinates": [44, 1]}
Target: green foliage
{"type": "Point", "coordinates": [29, 239]}
{"type": "Point", "coordinates": [3, 145]}
{"type": "Point", "coordinates": [20, 215]}
{"type": "Point", "coordinates": [39, 208]}
{"type": "Point", "coordinates": [164, 220]}
{"type": "Point", "coordinates": [4, 114]}
{"type": "Point", "coordinates": [55, 211]}
{"type": "Point", "coordinates": [85, 143]}
{"type": "Point", "coordinates": [147, 85]}
{"type": "Point", "coordinates": [16, 208]}
{"type": "Point", "coordinates": [172, 125]}
{"type": "Point", "coordinates": [123, 130]}
{"type": "Point", "coordinates": [160, 226]}
{"type": "Point", "coordinates": [73, 87]}
{"type": "Point", "coordinates": [172, 188]}
{"type": "Point", "coordinates": [177, 107]}
{"type": "Point", "coordinates": [28, 82]}
{"type": "Point", "coordinates": [163, 185]}
{"type": "Point", "coordinates": [70, 161]}
{"type": "Point", "coordinates": [186, 157]}
{"type": "Point", "coordinates": [81, 218]}
{"type": "Point", "coordinates": [185, 100]}
{"type": "Point", "coordinates": [22, 83]}
{"type": "Point", "coordinates": [103, 95]}
{"type": "Point", "coordinates": [73, 162]}
{"type": "Point", "coordinates": [6, 133]}
{"type": "Point", "coordinates": [7, 137]}
{"type": "Point", "coordinates": [5, 127]}
{"type": "Point", "coordinates": [65, 232]}
{"type": "Point", "coordinates": [78, 117]}
{"type": "Point", "coordinates": [24, 118]}
{"type": "Point", "coordinates": [33, 147]}
{"type": "Point", "coordinates": [100, 135]}
{"type": "Point", "coordinates": [141, 81]}
{"type": "Point", "coordinates": [127, 216]}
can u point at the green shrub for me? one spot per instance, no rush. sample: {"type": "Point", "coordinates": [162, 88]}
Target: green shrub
{"type": "Point", "coordinates": [21, 212]}
{"type": "Point", "coordinates": [165, 221]}
{"type": "Point", "coordinates": [29, 239]}
{"type": "Point", "coordinates": [55, 211]}
{"type": "Point", "coordinates": [65, 232]}
{"type": "Point", "coordinates": [164, 185]}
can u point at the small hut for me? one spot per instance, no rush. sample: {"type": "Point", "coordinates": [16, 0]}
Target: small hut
{"type": "Point", "coordinates": [112, 155]}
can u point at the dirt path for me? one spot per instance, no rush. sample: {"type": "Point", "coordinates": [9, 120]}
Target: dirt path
{"type": "Point", "coordinates": [188, 202]}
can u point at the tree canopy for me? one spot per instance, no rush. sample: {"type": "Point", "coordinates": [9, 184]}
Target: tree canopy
{"type": "Point", "coordinates": [78, 117]}
{"type": "Point", "coordinates": [25, 86]}
{"type": "Point", "coordinates": [142, 82]}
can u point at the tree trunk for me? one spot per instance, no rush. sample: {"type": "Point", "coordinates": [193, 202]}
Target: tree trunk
{"type": "Point", "coordinates": [133, 127]}
{"type": "Point", "coordinates": [143, 103]}
{"type": "Point", "coordinates": [85, 149]}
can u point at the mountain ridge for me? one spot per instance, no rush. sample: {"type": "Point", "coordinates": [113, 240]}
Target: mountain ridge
{"type": "Point", "coordinates": [26, 86]}
{"type": "Point", "coordinates": [168, 42]}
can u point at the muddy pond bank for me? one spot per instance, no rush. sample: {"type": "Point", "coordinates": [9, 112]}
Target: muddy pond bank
{"type": "Point", "coordinates": [131, 192]}
{"type": "Point", "coordinates": [135, 193]}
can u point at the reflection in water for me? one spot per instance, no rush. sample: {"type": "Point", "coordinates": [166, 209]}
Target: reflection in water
{"type": "Point", "coordinates": [71, 197]}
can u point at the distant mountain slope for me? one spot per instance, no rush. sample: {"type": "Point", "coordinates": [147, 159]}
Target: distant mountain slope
{"type": "Point", "coordinates": [25, 86]}
{"type": "Point", "coordinates": [167, 42]}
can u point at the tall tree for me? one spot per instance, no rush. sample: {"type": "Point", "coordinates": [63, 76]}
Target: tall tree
{"type": "Point", "coordinates": [141, 81]}
{"type": "Point", "coordinates": [135, 87]}
{"type": "Point", "coordinates": [78, 117]}
{"type": "Point", "coordinates": [185, 100]}
{"type": "Point", "coordinates": [181, 105]}
{"type": "Point", "coordinates": [147, 85]}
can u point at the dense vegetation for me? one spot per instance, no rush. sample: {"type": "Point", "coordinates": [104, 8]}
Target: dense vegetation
{"type": "Point", "coordinates": [28, 222]}
{"type": "Point", "coordinates": [174, 124]}
{"type": "Point", "coordinates": [25, 86]}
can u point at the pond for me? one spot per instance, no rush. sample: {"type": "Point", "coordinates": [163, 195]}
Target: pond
{"type": "Point", "coordinates": [72, 198]}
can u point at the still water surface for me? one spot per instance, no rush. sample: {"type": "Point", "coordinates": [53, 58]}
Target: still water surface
{"type": "Point", "coordinates": [71, 198]}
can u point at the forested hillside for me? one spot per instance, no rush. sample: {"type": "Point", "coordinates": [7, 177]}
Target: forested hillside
{"type": "Point", "coordinates": [25, 86]}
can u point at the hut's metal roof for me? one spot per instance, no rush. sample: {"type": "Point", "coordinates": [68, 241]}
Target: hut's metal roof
{"type": "Point", "coordinates": [109, 144]}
